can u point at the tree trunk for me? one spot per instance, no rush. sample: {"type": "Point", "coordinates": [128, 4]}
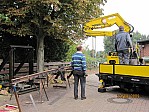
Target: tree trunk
{"type": "Point", "coordinates": [40, 53]}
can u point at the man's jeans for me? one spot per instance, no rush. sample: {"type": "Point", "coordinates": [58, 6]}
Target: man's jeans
{"type": "Point", "coordinates": [124, 56]}
{"type": "Point", "coordinates": [82, 82]}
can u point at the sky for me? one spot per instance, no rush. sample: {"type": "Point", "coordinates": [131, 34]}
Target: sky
{"type": "Point", "coordinates": [134, 12]}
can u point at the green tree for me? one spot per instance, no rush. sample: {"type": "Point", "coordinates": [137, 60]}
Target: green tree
{"type": "Point", "coordinates": [136, 36]}
{"type": "Point", "coordinates": [109, 44]}
{"type": "Point", "coordinates": [101, 56]}
{"type": "Point", "coordinates": [60, 19]}
{"type": "Point", "coordinates": [71, 51]}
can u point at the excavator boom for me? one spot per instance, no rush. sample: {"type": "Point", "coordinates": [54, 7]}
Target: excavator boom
{"type": "Point", "coordinates": [95, 26]}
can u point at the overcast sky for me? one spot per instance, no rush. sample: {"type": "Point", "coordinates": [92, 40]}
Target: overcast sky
{"type": "Point", "coordinates": [134, 12]}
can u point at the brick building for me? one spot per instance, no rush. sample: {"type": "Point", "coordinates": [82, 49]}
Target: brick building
{"type": "Point", "coordinates": [144, 50]}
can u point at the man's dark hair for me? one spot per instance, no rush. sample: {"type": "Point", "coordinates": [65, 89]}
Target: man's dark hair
{"type": "Point", "coordinates": [79, 48]}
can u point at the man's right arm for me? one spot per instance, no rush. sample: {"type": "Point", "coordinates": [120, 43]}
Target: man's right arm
{"type": "Point", "coordinates": [129, 41]}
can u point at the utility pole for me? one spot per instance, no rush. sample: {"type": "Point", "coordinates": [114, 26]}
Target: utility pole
{"type": "Point", "coordinates": [95, 46]}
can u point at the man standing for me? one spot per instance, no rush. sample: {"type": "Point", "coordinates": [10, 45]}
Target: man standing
{"type": "Point", "coordinates": [122, 45]}
{"type": "Point", "coordinates": [79, 68]}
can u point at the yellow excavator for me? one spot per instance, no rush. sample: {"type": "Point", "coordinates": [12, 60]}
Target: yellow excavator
{"type": "Point", "coordinates": [130, 77]}
{"type": "Point", "coordinates": [95, 26]}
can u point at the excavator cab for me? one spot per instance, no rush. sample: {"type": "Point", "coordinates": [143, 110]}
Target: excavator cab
{"type": "Point", "coordinates": [112, 58]}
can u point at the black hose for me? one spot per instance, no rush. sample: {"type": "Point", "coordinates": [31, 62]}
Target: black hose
{"type": "Point", "coordinates": [132, 28]}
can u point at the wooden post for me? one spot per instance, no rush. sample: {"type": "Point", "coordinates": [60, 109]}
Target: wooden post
{"type": "Point", "coordinates": [41, 90]}
{"type": "Point", "coordinates": [11, 65]}
{"type": "Point", "coordinates": [16, 97]}
{"type": "Point", "coordinates": [31, 61]}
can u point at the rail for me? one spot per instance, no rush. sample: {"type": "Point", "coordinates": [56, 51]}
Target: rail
{"type": "Point", "coordinates": [23, 74]}
{"type": "Point", "coordinates": [35, 75]}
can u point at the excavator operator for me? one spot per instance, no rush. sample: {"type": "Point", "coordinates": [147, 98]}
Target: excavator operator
{"type": "Point", "coordinates": [123, 44]}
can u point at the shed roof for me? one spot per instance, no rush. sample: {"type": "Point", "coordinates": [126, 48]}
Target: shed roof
{"type": "Point", "coordinates": [143, 42]}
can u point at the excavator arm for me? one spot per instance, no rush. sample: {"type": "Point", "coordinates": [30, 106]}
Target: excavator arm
{"type": "Point", "coordinates": [95, 26]}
